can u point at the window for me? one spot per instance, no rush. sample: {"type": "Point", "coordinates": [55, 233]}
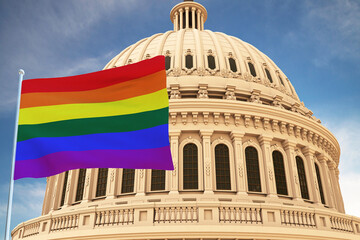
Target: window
{"type": "Point", "coordinates": [167, 62]}
{"type": "Point", "coordinates": [302, 178]}
{"type": "Point", "coordinates": [157, 180]}
{"type": "Point", "coordinates": [320, 184]}
{"type": "Point", "coordinates": [101, 182]}
{"type": "Point", "coordinates": [282, 82]}
{"type": "Point", "coordinates": [189, 61]}
{"type": "Point", "coordinates": [80, 185]}
{"type": "Point", "coordinates": [279, 169]}
{"type": "Point", "coordinates": [268, 75]}
{"type": "Point", "coordinates": [222, 167]}
{"type": "Point", "coordinates": [190, 167]}
{"type": "Point", "coordinates": [252, 69]}
{"type": "Point", "coordinates": [128, 179]}
{"type": "Point", "coordinates": [64, 188]}
{"type": "Point", "coordinates": [252, 169]}
{"type": "Point", "coordinates": [211, 62]}
{"type": "Point", "coordinates": [232, 64]}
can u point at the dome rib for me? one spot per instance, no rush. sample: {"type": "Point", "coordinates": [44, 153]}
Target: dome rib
{"type": "Point", "coordinates": [147, 42]}
{"type": "Point", "coordinates": [219, 51]}
{"type": "Point", "coordinates": [238, 55]}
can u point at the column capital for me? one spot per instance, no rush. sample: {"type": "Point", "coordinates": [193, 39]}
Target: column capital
{"type": "Point", "coordinates": [308, 151]}
{"type": "Point", "coordinates": [263, 138]}
{"type": "Point", "coordinates": [322, 159]}
{"type": "Point", "coordinates": [237, 135]}
{"type": "Point", "coordinates": [181, 10]}
{"type": "Point", "coordinates": [174, 133]}
{"type": "Point", "coordinates": [289, 144]}
{"type": "Point", "coordinates": [206, 132]}
{"type": "Point", "coordinates": [331, 165]}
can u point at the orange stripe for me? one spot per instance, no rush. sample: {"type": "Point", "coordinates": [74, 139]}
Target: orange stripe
{"type": "Point", "coordinates": [124, 90]}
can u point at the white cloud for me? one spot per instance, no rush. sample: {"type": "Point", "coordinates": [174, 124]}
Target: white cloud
{"type": "Point", "coordinates": [347, 133]}
{"type": "Point", "coordinates": [331, 27]}
{"type": "Point", "coordinates": [27, 202]}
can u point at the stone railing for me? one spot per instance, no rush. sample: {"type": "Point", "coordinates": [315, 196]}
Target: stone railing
{"type": "Point", "coordinates": [31, 229]}
{"type": "Point", "coordinates": [297, 218]}
{"type": "Point", "coordinates": [125, 217]}
{"type": "Point", "coordinates": [176, 214]}
{"type": "Point", "coordinates": [64, 223]}
{"type": "Point", "coordinates": [114, 217]}
{"type": "Point", "coordinates": [341, 224]}
{"type": "Point", "coordinates": [240, 215]}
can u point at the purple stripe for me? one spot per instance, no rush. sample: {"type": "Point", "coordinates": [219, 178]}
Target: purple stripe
{"type": "Point", "coordinates": [155, 158]}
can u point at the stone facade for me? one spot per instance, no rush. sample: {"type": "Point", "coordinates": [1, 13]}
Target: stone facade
{"type": "Point", "coordinates": [215, 100]}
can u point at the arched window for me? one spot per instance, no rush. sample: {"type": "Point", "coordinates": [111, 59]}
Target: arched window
{"type": "Point", "coordinates": [320, 184]}
{"type": "Point", "coordinates": [232, 64]}
{"type": "Point", "coordinates": [211, 62]}
{"type": "Point", "coordinates": [190, 167]}
{"type": "Point", "coordinates": [64, 188]}
{"type": "Point", "coordinates": [157, 180]}
{"type": "Point", "coordinates": [252, 69]}
{"type": "Point", "coordinates": [268, 75]}
{"type": "Point", "coordinates": [189, 61]}
{"type": "Point", "coordinates": [279, 169]}
{"type": "Point", "coordinates": [252, 169]}
{"type": "Point", "coordinates": [222, 167]}
{"type": "Point", "coordinates": [101, 182]}
{"type": "Point", "coordinates": [128, 179]}
{"type": "Point", "coordinates": [167, 62]}
{"type": "Point", "coordinates": [282, 82]}
{"type": "Point", "coordinates": [302, 178]}
{"type": "Point", "coordinates": [80, 185]}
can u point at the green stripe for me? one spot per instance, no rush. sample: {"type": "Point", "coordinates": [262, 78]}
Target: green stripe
{"type": "Point", "coordinates": [122, 123]}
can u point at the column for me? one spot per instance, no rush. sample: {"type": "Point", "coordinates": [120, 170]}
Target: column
{"type": "Point", "coordinates": [181, 18]}
{"type": "Point", "coordinates": [173, 176]}
{"type": "Point", "coordinates": [326, 182]}
{"type": "Point", "coordinates": [332, 167]}
{"type": "Point", "coordinates": [187, 17]}
{"type": "Point", "coordinates": [268, 165]}
{"type": "Point", "coordinates": [55, 193]}
{"type": "Point", "coordinates": [70, 187]}
{"type": "Point", "coordinates": [294, 182]}
{"type": "Point", "coordinates": [208, 171]}
{"type": "Point", "coordinates": [90, 182]}
{"type": "Point", "coordinates": [341, 201]}
{"type": "Point", "coordinates": [140, 182]}
{"type": "Point", "coordinates": [176, 24]}
{"type": "Point", "coordinates": [314, 193]}
{"type": "Point", "coordinates": [112, 182]}
{"type": "Point", "coordinates": [193, 17]}
{"type": "Point", "coordinates": [198, 20]}
{"type": "Point", "coordinates": [48, 194]}
{"type": "Point", "coordinates": [236, 137]}
{"type": "Point", "coordinates": [202, 21]}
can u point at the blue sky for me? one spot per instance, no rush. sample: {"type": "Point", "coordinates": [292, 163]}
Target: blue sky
{"type": "Point", "coordinates": [315, 43]}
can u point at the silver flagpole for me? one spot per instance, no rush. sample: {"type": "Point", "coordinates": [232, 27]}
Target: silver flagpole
{"type": "Point", "coordinates": [11, 187]}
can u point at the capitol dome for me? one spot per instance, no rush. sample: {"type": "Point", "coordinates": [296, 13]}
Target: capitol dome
{"type": "Point", "coordinates": [250, 160]}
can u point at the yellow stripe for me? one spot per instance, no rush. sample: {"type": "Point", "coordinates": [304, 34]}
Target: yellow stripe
{"type": "Point", "coordinates": [45, 114]}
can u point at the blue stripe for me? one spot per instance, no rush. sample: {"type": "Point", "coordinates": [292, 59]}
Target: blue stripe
{"type": "Point", "coordinates": [154, 137]}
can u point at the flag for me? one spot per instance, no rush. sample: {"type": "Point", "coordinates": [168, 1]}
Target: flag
{"type": "Point", "coordinates": [115, 118]}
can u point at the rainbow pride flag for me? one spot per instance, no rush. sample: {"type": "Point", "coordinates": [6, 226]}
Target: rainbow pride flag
{"type": "Point", "coordinates": [116, 118]}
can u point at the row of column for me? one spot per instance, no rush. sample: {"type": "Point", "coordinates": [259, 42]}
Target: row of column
{"type": "Point", "coordinates": [197, 18]}
{"type": "Point", "coordinates": [328, 171]}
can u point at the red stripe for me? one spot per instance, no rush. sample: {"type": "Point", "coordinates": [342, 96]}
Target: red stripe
{"type": "Point", "coordinates": [95, 80]}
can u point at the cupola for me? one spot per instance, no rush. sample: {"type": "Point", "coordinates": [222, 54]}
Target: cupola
{"type": "Point", "coordinates": [188, 14]}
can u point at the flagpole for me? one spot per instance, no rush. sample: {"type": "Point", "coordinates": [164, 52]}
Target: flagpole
{"type": "Point", "coordinates": [11, 186]}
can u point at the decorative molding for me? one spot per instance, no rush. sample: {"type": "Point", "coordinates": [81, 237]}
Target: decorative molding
{"type": "Point", "coordinates": [173, 117]}
{"type": "Point", "coordinates": [142, 173]}
{"type": "Point", "coordinates": [207, 168]}
{"type": "Point", "coordinates": [184, 117]}
{"type": "Point", "coordinates": [274, 125]}
{"type": "Point", "coordinates": [266, 123]}
{"type": "Point", "coordinates": [247, 120]}
{"type": "Point", "coordinates": [256, 121]}
{"type": "Point", "coordinates": [271, 174]}
{"type": "Point", "coordinates": [195, 117]}
{"type": "Point", "coordinates": [112, 175]}
{"type": "Point", "coordinates": [297, 179]}
{"type": "Point", "coordinates": [241, 170]}
{"type": "Point", "coordinates": [227, 118]}
{"type": "Point", "coordinates": [237, 119]}
{"type": "Point", "coordinates": [216, 118]}
{"type": "Point", "coordinates": [206, 117]}
{"type": "Point", "coordinates": [175, 169]}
